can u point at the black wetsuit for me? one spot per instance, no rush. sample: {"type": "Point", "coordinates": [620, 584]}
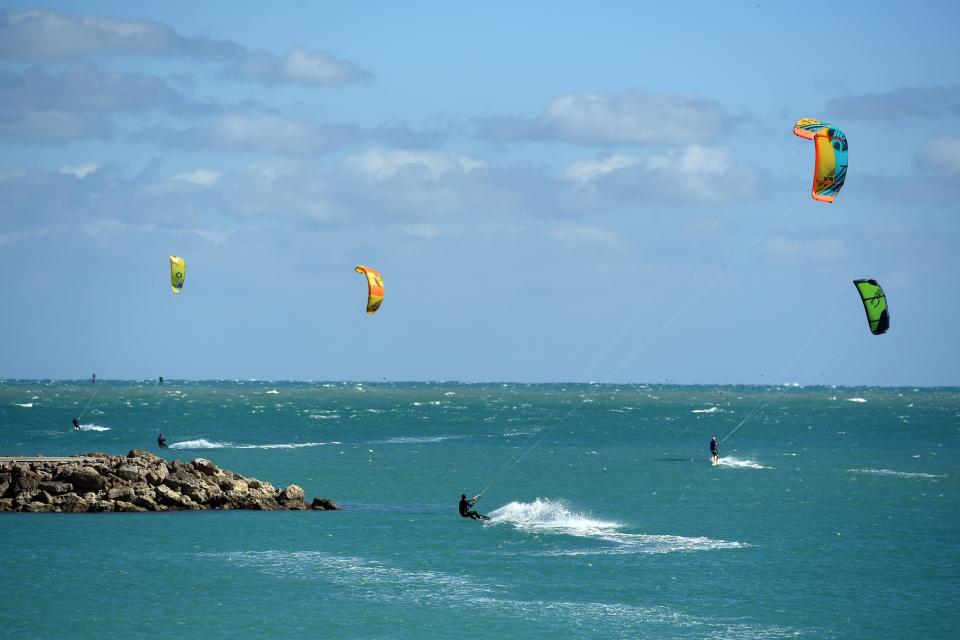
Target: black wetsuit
{"type": "Point", "coordinates": [162, 441]}
{"type": "Point", "coordinates": [76, 424]}
{"type": "Point", "coordinates": [465, 511]}
{"type": "Point", "coordinates": [715, 448]}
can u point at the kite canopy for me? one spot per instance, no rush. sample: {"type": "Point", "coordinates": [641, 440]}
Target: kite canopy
{"type": "Point", "coordinates": [178, 272]}
{"type": "Point", "coordinates": [830, 168]}
{"type": "Point", "coordinates": [374, 287]}
{"type": "Point", "coordinates": [875, 304]}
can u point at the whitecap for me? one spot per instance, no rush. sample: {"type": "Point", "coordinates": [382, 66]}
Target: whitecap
{"type": "Point", "coordinates": [273, 392]}
{"type": "Point", "coordinates": [206, 444]}
{"type": "Point", "coordinates": [25, 405]}
{"type": "Point", "coordinates": [710, 410]}
{"type": "Point", "coordinates": [556, 517]}
{"type": "Point", "coordinates": [733, 462]}
{"type": "Point", "coordinates": [93, 427]}
{"type": "Point", "coordinates": [856, 400]}
{"type": "Point", "coordinates": [415, 439]}
{"type": "Point", "coordinates": [895, 474]}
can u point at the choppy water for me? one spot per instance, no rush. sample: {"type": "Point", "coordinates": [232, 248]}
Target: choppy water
{"type": "Point", "coordinates": [833, 513]}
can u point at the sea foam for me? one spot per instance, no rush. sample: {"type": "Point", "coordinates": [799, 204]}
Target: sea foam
{"type": "Point", "coordinates": [895, 474]}
{"type": "Point", "coordinates": [556, 517]}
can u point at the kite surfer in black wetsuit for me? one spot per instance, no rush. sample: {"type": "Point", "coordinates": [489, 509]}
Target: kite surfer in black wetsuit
{"type": "Point", "coordinates": [715, 450]}
{"type": "Point", "coordinates": [465, 505]}
{"type": "Point", "coordinates": [162, 441]}
{"type": "Point", "coordinates": [76, 425]}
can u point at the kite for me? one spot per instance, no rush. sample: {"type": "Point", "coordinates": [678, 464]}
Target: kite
{"type": "Point", "coordinates": [830, 167]}
{"type": "Point", "coordinates": [875, 304]}
{"type": "Point", "coordinates": [178, 272]}
{"type": "Point", "coordinates": [374, 287]}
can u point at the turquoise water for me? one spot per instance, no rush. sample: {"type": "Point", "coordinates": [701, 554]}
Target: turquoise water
{"type": "Point", "coordinates": [834, 514]}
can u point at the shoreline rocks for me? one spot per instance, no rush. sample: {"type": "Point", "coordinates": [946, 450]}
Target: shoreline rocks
{"type": "Point", "coordinates": [140, 481]}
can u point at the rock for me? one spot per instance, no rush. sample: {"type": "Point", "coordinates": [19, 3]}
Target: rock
{"type": "Point", "coordinates": [292, 498]}
{"type": "Point", "coordinates": [24, 479]}
{"type": "Point", "coordinates": [125, 494]}
{"type": "Point", "coordinates": [205, 467]}
{"type": "Point", "coordinates": [86, 479]}
{"type": "Point", "coordinates": [129, 472]}
{"type": "Point", "coordinates": [56, 487]}
{"type": "Point", "coordinates": [324, 504]}
{"type": "Point", "coordinates": [127, 507]}
{"type": "Point", "coordinates": [139, 481]}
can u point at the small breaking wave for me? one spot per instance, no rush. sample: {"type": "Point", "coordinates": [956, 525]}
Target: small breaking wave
{"type": "Point", "coordinates": [415, 439]}
{"type": "Point", "coordinates": [25, 405]}
{"type": "Point", "coordinates": [93, 427]}
{"type": "Point", "coordinates": [556, 517]}
{"type": "Point", "coordinates": [896, 474]}
{"type": "Point", "coordinates": [856, 399]}
{"type": "Point", "coordinates": [710, 410]}
{"type": "Point", "coordinates": [733, 462]}
{"type": "Point", "coordinates": [206, 444]}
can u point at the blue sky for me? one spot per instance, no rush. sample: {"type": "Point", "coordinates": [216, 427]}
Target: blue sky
{"type": "Point", "coordinates": [553, 191]}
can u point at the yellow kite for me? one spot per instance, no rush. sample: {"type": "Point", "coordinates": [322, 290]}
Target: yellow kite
{"type": "Point", "coordinates": [178, 272]}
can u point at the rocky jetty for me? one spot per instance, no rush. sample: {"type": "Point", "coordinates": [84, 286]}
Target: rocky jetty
{"type": "Point", "coordinates": [139, 481]}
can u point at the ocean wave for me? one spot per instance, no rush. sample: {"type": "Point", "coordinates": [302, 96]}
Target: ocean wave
{"type": "Point", "coordinates": [206, 444]}
{"type": "Point", "coordinates": [733, 462]}
{"type": "Point", "coordinates": [710, 410]}
{"type": "Point", "coordinates": [856, 399]}
{"type": "Point", "coordinates": [556, 517]}
{"type": "Point", "coordinates": [378, 581]}
{"type": "Point", "coordinates": [25, 405]}
{"type": "Point", "coordinates": [415, 439]}
{"type": "Point", "coordinates": [896, 474]}
{"type": "Point", "coordinates": [93, 427]}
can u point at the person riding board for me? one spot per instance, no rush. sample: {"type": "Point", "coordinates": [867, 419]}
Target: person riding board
{"type": "Point", "coordinates": [715, 450]}
{"type": "Point", "coordinates": [76, 425]}
{"type": "Point", "coordinates": [465, 505]}
{"type": "Point", "coordinates": [162, 441]}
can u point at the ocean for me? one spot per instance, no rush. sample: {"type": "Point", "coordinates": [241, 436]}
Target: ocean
{"type": "Point", "coordinates": [834, 512]}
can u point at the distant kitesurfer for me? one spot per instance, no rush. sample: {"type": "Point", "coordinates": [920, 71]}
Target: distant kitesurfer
{"type": "Point", "coordinates": [161, 379]}
{"type": "Point", "coordinates": [94, 380]}
{"type": "Point", "coordinates": [162, 441]}
{"type": "Point", "coordinates": [76, 425]}
{"type": "Point", "coordinates": [465, 505]}
{"type": "Point", "coordinates": [715, 450]}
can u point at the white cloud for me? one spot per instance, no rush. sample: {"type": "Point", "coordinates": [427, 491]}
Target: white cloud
{"type": "Point", "coordinates": [299, 66]}
{"type": "Point", "coordinates": [586, 170]}
{"type": "Point", "coordinates": [382, 164]}
{"type": "Point", "coordinates": [942, 154]}
{"type": "Point", "coordinates": [630, 117]}
{"type": "Point", "coordinates": [48, 35]}
{"type": "Point", "coordinates": [258, 133]}
{"type": "Point", "coordinates": [585, 235]}
{"type": "Point", "coordinates": [80, 170]}
{"type": "Point", "coordinates": [199, 177]}
{"type": "Point", "coordinates": [699, 173]}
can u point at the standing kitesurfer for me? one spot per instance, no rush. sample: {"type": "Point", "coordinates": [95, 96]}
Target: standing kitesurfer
{"type": "Point", "coordinates": [76, 425]}
{"type": "Point", "coordinates": [162, 441]}
{"type": "Point", "coordinates": [465, 505]}
{"type": "Point", "coordinates": [715, 450]}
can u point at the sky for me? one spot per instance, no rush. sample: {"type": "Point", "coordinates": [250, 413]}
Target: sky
{"type": "Point", "coordinates": [553, 191]}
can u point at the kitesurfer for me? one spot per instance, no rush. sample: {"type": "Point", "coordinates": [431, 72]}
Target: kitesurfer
{"type": "Point", "coordinates": [715, 450]}
{"type": "Point", "coordinates": [76, 425]}
{"type": "Point", "coordinates": [465, 505]}
{"type": "Point", "coordinates": [162, 441]}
